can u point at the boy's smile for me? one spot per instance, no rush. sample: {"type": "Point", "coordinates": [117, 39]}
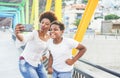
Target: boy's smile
{"type": "Point", "coordinates": [55, 31]}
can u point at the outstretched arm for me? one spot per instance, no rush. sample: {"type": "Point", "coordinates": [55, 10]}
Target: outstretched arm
{"type": "Point", "coordinates": [18, 29]}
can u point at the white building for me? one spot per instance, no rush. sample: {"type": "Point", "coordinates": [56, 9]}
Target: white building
{"type": "Point", "coordinates": [105, 7]}
{"type": "Point", "coordinates": [71, 13]}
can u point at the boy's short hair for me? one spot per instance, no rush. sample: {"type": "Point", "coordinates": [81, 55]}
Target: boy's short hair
{"type": "Point", "coordinates": [60, 24]}
{"type": "Point", "coordinates": [49, 15]}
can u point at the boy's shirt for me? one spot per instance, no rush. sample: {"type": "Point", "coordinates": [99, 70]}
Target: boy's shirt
{"type": "Point", "coordinates": [61, 52]}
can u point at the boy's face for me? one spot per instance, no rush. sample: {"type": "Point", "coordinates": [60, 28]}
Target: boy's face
{"type": "Point", "coordinates": [55, 31]}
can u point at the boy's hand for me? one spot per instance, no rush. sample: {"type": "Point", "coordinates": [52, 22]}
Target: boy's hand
{"type": "Point", "coordinates": [70, 61]}
{"type": "Point", "coordinates": [43, 58]}
{"type": "Point", "coordinates": [50, 70]}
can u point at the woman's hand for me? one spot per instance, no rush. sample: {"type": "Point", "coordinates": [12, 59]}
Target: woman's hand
{"type": "Point", "coordinates": [18, 28]}
{"type": "Point", "coordinates": [50, 70]}
{"type": "Point", "coordinates": [70, 61]}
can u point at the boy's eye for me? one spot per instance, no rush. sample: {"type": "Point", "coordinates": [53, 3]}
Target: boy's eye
{"type": "Point", "coordinates": [55, 29]}
{"type": "Point", "coordinates": [46, 23]}
{"type": "Point", "coordinates": [50, 29]}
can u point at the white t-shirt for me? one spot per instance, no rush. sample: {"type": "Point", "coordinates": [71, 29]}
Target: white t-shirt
{"type": "Point", "coordinates": [34, 49]}
{"type": "Point", "coordinates": [61, 52]}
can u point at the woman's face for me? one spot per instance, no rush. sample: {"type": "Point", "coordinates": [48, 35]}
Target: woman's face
{"type": "Point", "coordinates": [45, 24]}
{"type": "Point", "coordinates": [55, 31]}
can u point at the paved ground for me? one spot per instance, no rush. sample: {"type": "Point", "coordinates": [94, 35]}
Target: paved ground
{"type": "Point", "coordinates": [104, 52]}
{"type": "Point", "coordinates": [8, 57]}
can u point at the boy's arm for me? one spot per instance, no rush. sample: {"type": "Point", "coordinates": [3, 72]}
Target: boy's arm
{"type": "Point", "coordinates": [82, 50]}
{"type": "Point", "coordinates": [50, 61]}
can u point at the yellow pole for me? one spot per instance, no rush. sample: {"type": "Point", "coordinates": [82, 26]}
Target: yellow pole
{"type": "Point", "coordinates": [85, 21]}
{"type": "Point", "coordinates": [58, 9]}
{"type": "Point", "coordinates": [48, 5]}
{"type": "Point", "coordinates": [27, 11]}
{"type": "Point", "coordinates": [32, 12]}
{"type": "Point", "coordinates": [36, 21]}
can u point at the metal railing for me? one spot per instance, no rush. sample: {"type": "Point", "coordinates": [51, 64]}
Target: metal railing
{"type": "Point", "coordinates": [76, 73]}
{"type": "Point", "coordinates": [102, 68]}
{"type": "Point", "coordinates": [81, 74]}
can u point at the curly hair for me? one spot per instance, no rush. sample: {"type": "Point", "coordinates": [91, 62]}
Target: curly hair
{"type": "Point", "coordinates": [49, 15]}
{"type": "Point", "coordinates": [60, 24]}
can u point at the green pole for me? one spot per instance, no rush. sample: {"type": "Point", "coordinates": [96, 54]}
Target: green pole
{"type": "Point", "coordinates": [22, 15]}
{"type": "Point", "coordinates": [27, 11]}
{"type": "Point", "coordinates": [10, 4]}
{"type": "Point", "coordinates": [20, 8]}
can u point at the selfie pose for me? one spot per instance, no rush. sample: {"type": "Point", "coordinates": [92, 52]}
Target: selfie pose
{"type": "Point", "coordinates": [30, 64]}
{"type": "Point", "coordinates": [61, 61]}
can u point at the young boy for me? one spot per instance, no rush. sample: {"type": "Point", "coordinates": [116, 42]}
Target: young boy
{"type": "Point", "coordinates": [61, 62]}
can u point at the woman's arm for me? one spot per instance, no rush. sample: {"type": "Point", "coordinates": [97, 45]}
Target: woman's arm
{"type": "Point", "coordinates": [23, 37]}
{"type": "Point", "coordinates": [18, 30]}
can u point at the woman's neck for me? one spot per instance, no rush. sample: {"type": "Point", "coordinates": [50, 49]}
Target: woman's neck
{"type": "Point", "coordinates": [43, 35]}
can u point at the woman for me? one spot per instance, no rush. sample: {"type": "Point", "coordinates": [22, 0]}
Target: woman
{"type": "Point", "coordinates": [29, 63]}
{"type": "Point", "coordinates": [61, 61]}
